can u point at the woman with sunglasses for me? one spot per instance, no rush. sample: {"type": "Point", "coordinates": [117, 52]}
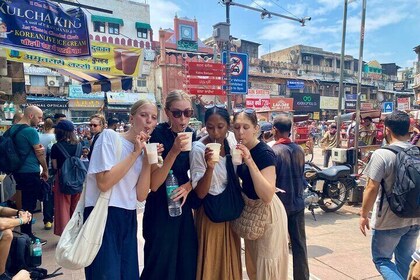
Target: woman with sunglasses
{"type": "Point", "coordinates": [267, 257]}
{"type": "Point", "coordinates": [170, 250]}
{"type": "Point", "coordinates": [219, 247]}
{"type": "Point", "coordinates": [119, 163]}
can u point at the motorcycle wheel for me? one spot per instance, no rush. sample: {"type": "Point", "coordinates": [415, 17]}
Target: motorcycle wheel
{"type": "Point", "coordinates": [334, 196]}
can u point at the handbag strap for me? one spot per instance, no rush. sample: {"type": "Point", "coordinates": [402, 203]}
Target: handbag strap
{"type": "Point", "coordinates": [117, 140]}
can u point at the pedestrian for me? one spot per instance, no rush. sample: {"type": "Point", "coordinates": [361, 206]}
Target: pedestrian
{"type": "Point", "coordinates": [266, 258]}
{"type": "Point", "coordinates": [127, 171]}
{"type": "Point", "coordinates": [290, 165]}
{"type": "Point", "coordinates": [97, 125]}
{"type": "Point", "coordinates": [368, 131]}
{"type": "Point", "coordinates": [84, 156]}
{"type": "Point", "coordinates": [170, 249]}
{"type": "Point", "coordinates": [328, 142]}
{"type": "Point", "coordinates": [65, 204]}
{"type": "Point", "coordinates": [47, 139]}
{"type": "Point", "coordinates": [392, 236]}
{"type": "Point", "coordinates": [28, 179]}
{"type": "Point", "coordinates": [113, 123]}
{"type": "Point", "coordinates": [219, 247]}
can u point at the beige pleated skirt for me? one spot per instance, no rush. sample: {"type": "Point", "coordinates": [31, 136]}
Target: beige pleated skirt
{"type": "Point", "coordinates": [267, 258]}
{"type": "Point", "coordinates": [219, 250]}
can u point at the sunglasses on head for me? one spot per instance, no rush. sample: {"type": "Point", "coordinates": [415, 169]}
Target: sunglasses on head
{"type": "Point", "coordinates": [93, 124]}
{"type": "Point", "coordinates": [219, 106]}
{"type": "Point", "coordinates": [248, 111]}
{"type": "Point", "coordinates": [178, 113]}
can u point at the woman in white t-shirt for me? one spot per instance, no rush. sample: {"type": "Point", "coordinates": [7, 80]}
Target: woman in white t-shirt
{"type": "Point", "coordinates": [118, 162]}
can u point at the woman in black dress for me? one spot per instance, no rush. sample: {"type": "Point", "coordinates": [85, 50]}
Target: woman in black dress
{"type": "Point", "coordinates": [170, 250]}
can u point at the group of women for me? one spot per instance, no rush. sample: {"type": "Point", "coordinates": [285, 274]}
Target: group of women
{"type": "Point", "coordinates": [189, 246]}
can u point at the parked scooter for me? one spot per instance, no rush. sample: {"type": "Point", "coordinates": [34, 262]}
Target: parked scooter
{"type": "Point", "coordinates": [329, 188]}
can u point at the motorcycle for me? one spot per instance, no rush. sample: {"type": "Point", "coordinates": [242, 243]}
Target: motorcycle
{"type": "Point", "coordinates": [327, 189]}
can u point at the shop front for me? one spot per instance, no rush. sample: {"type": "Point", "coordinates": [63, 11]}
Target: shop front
{"type": "Point", "coordinates": [48, 105]}
{"type": "Point", "coordinates": [119, 103]}
{"type": "Point", "coordinates": [83, 105]}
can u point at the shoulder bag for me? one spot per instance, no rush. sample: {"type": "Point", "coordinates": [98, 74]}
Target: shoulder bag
{"type": "Point", "coordinates": [80, 242]}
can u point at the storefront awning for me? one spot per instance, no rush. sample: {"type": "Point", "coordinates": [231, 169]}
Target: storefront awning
{"type": "Point", "coordinates": [96, 18]}
{"type": "Point", "coordinates": [143, 25]}
{"type": "Point", "coordinates": [46, 102]}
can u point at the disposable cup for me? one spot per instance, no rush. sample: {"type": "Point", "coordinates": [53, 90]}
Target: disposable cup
{"type": "Point", "coordinates": [237, 157]}
{"type": "Point", "coordinates": [215, 147]}
{"type": "Point", "coordinates": [152, 154]}
{"type": "Point", "coordinates": [189, 145]}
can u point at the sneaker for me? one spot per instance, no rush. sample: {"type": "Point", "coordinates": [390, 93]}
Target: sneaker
{"type": "Point", "coordinates": [48, 225]}
{"type": "Point", "coordinates": [43, 241]}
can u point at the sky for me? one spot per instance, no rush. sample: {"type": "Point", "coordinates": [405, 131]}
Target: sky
{"type": "Point", "coordinates": [392, 26]}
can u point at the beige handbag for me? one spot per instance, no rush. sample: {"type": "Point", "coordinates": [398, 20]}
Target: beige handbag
{"type": "Point", "coordinates": [80, 242]}
{"type": "Point", "coordinates": [251, 224]}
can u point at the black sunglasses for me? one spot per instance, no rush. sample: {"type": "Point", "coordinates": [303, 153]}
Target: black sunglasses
{"type": "Point", "coordinates": [178, 113]}
{"type": "Point", "coordinates": [94, 124]}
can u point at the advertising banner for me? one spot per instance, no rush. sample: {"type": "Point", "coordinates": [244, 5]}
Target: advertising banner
{"type": "Point", "coordinates": [44, 26]}
{"type": "Point", "coordinates": [281, 104]}
{"type": "Point", "coordinates": [350, 105]}
{"type": "Point", "coordinates": [329, 103]}
{"type": "Point", "coordinates": [106, 59]}
{"type": "Point", "coordinates": [306, 102]}
{"type": "Point", "coordinates": [403, 104]}
{"type": "Point", "coordinates": [258, 101]}
{"type": "Point", "coordinates": [292, 84]}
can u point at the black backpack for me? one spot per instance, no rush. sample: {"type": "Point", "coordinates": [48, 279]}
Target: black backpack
{"type": "Point", "coordinates": [73, 172]}
{"type": "Point", "coordinates": [404, 199]}
{"type": "Point", "coordinates": [11, 159]}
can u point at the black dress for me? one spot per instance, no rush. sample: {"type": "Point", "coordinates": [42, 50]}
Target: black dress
{"type": "Point", "coordinates": [170, 249]}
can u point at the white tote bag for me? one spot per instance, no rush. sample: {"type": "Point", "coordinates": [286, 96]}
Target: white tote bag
{"type": "Point", "coordinates": [80, 242]}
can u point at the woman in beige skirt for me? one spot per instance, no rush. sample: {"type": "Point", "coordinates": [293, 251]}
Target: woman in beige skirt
{"type": "Point", "coordinates": [267, 257]}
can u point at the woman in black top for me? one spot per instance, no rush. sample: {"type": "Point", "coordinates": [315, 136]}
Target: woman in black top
{"type": "Point", "coordinates": [64, 204]}
{"type": "Point", "coordinates": [267, 257]}
{"type": "Point", "coordinates": [170, 250]}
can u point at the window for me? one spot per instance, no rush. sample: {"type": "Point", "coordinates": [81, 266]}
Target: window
{"type": "Point", "coordinates": [113, 28]}
{"type": "Point", "coordinates": [37, 81]}
{"type": "Point", "coordinates": [142, 33]}
{"type": "Point", "coordinates": [99, 27]}
{"type": "Point", "coordinates": [141, 83]}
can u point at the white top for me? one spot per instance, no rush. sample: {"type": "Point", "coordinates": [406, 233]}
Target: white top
{"type": "Point", "coordinates": [198, 167]}
{"type": "Point", "coordinates": [104, 157]}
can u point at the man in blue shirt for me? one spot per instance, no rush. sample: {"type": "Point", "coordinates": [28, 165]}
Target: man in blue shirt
{"type": "Point", "coordinates": [290, 166]}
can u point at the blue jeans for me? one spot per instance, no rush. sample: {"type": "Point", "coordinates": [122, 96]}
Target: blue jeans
{"type": "Point", "coordinates": [401, 243]}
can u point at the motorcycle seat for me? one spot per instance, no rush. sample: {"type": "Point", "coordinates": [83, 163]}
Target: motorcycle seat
{"type": "Point", "coordinates": [334, 173]}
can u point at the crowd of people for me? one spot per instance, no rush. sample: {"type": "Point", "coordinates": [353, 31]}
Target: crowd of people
{"type": "Point", "coordinates": [192, 245]}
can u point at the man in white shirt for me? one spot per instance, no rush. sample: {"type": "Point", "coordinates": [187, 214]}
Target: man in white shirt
{"type": "Point", "coordinates": [391, 235]}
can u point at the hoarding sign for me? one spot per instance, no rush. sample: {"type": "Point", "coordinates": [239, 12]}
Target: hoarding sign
{"type": "Point", "coordinates": [238, 72]}
{"type": "Point", "coordinates": [329, 103]}
{"type": "Point", "coordinates": [281, 104]}
{"type": "Point", "coordinates": [306, 102]}
{"type": "Point", "coordinates": [258, 101]}
{"type": "Point", "coordinates": [291, 84]}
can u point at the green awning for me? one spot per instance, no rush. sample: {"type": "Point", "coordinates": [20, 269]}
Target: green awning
{"type": "Point", "coordinates": [96, 18]}
{"type": "Point", "coordinates": [143, 25]}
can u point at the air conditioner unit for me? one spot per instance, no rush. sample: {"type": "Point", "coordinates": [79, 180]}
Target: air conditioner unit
{"type": "Point", "coordinates": [52, 82]}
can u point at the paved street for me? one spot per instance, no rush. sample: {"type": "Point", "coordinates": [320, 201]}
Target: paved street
{"type": "Point", "coordinates": [336, 248]}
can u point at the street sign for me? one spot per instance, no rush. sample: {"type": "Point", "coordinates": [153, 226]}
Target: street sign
{"type": "Point", "coordinates": [205, 82]}
{"type": "Point", "coordinates": [204, 78]}
{"type": "Point", "coordinates": [205, 91]}
{"type": "Point", "coordinates": [388, 107]}
{"type": "Point", "coordinates": [293, 84]}
{"type": "Point", "coordinates": [205, 72]}
{"type": "Point", "coordinates": [238, 72]}
{"type": "Point", "coordinates": [208, 66]}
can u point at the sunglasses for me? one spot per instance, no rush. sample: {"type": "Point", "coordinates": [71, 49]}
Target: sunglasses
{"type": "Point", "coordinates": [219, 106]}
{"type": "Point", "coordinates": [94, 125]}
{"type": "Point", "coordinates": [178, 113]}
{"type": "Point", "coordinates": [248, 111]}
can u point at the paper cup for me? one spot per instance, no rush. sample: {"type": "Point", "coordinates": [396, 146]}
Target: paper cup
{"type": "Point", "coordinates": [189, 145]}
{"type": "Point", "coordinates": [215, 147]}
{"type": "Point", "coordinates": [152, 154]}
{"type": "Point", "coordinates": [236, 156]}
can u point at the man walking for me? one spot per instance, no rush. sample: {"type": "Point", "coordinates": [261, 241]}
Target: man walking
{"type": "Point", "coordinates": [392, 235]}
{"type": "Point", "coordinates": [28, 179]}
{"type": "Point", "coordinates": [290, 166]}
{"type": "Point", "coordinates": [328, 142]}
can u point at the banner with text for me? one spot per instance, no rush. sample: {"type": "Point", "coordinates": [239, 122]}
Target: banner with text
{"type": "Point", "coordinates": [329, 103]}
{"type": "Point", "coordinates": [258, 101]}
{"type": "Point", "coordinates": [281, 104]}
{"type": "Point", "coordinates": [106, 59]}
{"type": "Point", "coordinates": [44, 26]}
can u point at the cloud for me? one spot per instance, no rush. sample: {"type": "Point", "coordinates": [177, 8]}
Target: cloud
{"type": "Point", "coordinates": [326, 6]}
{"type": "Point", "coordinates": [261, 4]}
{"type": "Point", "coordinates": [162, 15]}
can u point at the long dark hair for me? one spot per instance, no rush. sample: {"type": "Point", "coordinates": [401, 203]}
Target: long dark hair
{"type": "Point", "coordinates": [65, 136]}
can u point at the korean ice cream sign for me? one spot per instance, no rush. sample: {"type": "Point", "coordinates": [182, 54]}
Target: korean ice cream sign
{"type": "Point", "coordinates": [44, 26]}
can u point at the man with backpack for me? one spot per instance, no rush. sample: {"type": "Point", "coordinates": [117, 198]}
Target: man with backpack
{"type": "Point", "coordinates": [30, 154]}
{"type": "Point", "coordinates": [393, 191]}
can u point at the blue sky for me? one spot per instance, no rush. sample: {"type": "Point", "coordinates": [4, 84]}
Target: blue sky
{"type": "Point", "coordinates": [392, 26]}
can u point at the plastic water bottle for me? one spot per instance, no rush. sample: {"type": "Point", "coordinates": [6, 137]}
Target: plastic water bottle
{"type": "Point", "coordinates": [11, 110]}
{"type": "Point", "coordinates": [6, 110]}
{"type": "Point", "coordinates": [36, 251]}
{"type": "Point", "coordinates": [174, 207]}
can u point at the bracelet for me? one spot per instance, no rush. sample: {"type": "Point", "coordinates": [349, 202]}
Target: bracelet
{"type": "Point", "coordinates": [20, 221]}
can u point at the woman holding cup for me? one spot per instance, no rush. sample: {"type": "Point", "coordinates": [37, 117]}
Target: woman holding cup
{"type": "Point", "coordinates": [219, 248]}
{"type": "Point", "coordinates": [170, 250]}
{"type": "Point", "coordinates": [266, 257]}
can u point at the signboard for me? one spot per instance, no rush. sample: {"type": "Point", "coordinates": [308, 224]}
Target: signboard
{"type": "Point", "coordinates": [306, 102]}
{"type": "Point", "coordinates": [76, 91]}
{"type": "Point", "coordinates": [205, 78]}
{"type": "Point", "coordinates": [351, 96]}
{"type": "Point", "coordinates": [316, 116]}
{"type": "Point", "coordinates": [205, 82]}
{"type": "Point", "coordinates": [44, 26]}
{"type": "Point", "coordinates": [85, 103]}
{"type": "Point", "coordinates": [106, 59]}
{"type": "Point", "coordinates": [291, 84]}
{"type": "Point", "coordinates": [388, 107]}
{"type": "Point", "coordinates": [281, 104]}
{"type": "Point", "coordinates": [399, 86]}
{"type": "Point", "coordinates": [47, 103]}
{"type": "Point", "coordinates": [258, 91]}
{"type": "Point", "coordinates": [329, 103]}
{"type": "Point", "coordinates": [238, 72]}
{"type": "Point", "coordinates": [258, 101]}
{"type": "Point", "coordinates": [206, 91]}
{"type": "Point", "coordinates": [350, 105]}
{"type": "Point", "coordinates": [123, 98]}
{"type": "Point", "coordinates": [365, 106]}
{"type": "Point", "coordinates": [403, 103]}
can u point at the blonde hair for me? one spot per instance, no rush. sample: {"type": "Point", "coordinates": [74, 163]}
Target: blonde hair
{"type": "Point", "coordinates": [100, 117]}
{"type": "Point", "coordinates": [138, 104]}
{"type": "Point", "coordinates": [176, 95]}
{"type": "Point", "coordinates": [48, 124]}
